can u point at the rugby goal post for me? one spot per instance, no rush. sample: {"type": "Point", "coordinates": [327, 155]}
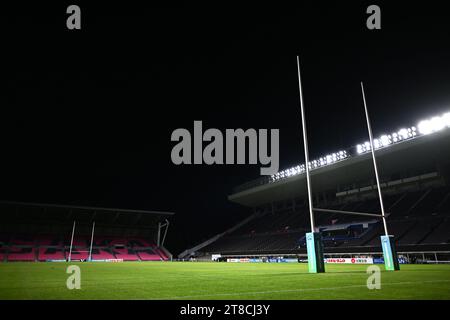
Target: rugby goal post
{"type": "Point", "coordinates": [81, 251]}
{"type": "Point", "coordinates": [314, 244]}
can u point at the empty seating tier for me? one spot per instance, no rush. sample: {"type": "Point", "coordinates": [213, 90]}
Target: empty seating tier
{"type": "Point", "coordinates": [415, 218]}
{"type": "Point", "coordinates": [57, 248]}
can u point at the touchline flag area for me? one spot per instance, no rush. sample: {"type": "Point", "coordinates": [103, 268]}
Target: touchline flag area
{"type": "Point", "coordinates": [223, 162]}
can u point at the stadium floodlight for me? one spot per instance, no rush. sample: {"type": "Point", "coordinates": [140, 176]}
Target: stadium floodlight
{"type": "Point", "coordinates": [446, 118]}
{"type": "Point", "coordinates": [424, 127]}
{"type": "Point", "coordinates": [437, 123]}
{"type": "Point", "coordinates": [359, 149]}
{"type": "Point", "coordinates": [385, 140]}
{"type": "Point", "coordinates": [434, 124]}
{"type": "Point", "coordinates": [395, 137]}
{"type": "Point", "coordinates": [314, 164]}
{"type": "Point", "coordinates": [403, 134]}
{"type": "Point", "coordinates": [376, 143]}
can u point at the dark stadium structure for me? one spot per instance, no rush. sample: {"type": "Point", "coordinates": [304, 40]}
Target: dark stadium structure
{"type": "Point", "coordinates": [415, 176]}
{"type": "Point", "coordinates": [43, 232]}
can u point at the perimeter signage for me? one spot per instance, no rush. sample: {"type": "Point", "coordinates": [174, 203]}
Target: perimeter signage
{"type": "Point", "coordinates": [350, 260]}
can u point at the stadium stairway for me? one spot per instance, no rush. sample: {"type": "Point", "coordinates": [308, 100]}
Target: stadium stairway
{"type": "Point", "coordinates": [186, 253]}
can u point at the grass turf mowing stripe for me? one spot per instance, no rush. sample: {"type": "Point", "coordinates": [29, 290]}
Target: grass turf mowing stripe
{"type": "Point", "coordinates": [293, 290]}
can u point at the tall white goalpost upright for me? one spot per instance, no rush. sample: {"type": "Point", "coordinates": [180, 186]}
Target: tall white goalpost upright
{"type": "Point", "coordinates": [92, 241]}
{"type": "Point", "coordinates": [387, 241]}
{"type": "Point", "coordinates": [71, 242]}
{"type": "Point", "coordinates": [313, 239]}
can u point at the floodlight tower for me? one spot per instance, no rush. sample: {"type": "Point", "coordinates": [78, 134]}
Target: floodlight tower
{"type": "Point", "coordinates": [387, 241]}
{"type": "Point", "coordinates": [314, 243]}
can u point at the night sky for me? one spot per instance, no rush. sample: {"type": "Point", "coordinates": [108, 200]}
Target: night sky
{"type": "Point", "coordinates": [87, 115]}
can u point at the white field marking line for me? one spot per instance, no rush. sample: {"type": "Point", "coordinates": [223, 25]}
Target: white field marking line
{"type": "Point", "coordinates": [296, 290]}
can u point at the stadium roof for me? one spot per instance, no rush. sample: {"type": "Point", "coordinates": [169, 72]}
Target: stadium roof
{"type": "Point", "coordinates": [84, 208]}
{"type": "Point", "coordinates": [425, 152]}
{"type": "Point", "coordinates": [48, 214]}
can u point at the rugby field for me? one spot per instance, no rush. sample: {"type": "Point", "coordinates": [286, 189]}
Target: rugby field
{"type": "Point", "coordinates": [197, 280]}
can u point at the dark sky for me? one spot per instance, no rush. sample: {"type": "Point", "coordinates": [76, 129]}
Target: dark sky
{"type": "Point", "coordinates": [87, 116]}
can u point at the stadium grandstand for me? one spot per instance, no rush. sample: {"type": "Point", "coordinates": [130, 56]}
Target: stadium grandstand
{"type": "Point", "coordinates": [48, 232]}
{"type": "Point", "coordinates": [414, 168]}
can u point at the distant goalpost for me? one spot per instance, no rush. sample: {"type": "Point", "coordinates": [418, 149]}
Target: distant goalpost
{"type": "Point", "coordinates": [69, 259]}
{"type": "Point", "coordinates": [314, 243]}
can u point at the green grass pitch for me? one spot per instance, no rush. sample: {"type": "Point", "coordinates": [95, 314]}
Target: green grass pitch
{"type": "Point", "coordinates": [197, 280]}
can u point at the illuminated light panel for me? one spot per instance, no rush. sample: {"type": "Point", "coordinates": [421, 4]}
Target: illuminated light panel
{"type": "Point", "coordinates": [424, 127]}
{"type": "Point", "coordinates": [314, 164]}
